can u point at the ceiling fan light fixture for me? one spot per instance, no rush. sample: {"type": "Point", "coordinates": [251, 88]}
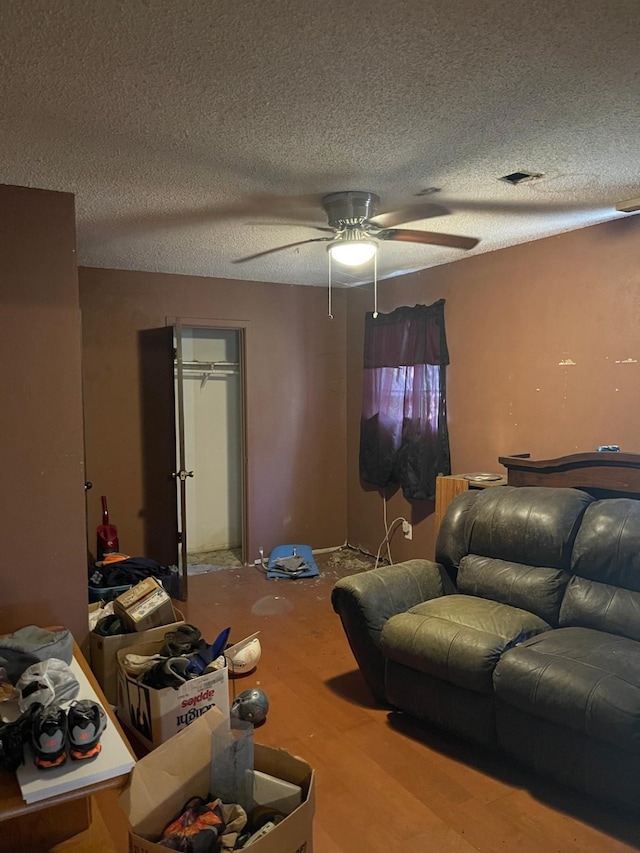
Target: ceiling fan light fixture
{"type": "Point", "coordinates": [352, 249]}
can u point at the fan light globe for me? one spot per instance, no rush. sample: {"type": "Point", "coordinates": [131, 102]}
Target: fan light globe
{"type": "Point", "coordinates": [353, 254]}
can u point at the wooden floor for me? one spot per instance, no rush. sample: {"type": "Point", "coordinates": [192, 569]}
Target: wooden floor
{"type": "Point", "coordinates": [384, 783]}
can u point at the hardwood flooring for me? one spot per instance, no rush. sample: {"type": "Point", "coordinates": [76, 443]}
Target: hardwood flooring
{"type": "Point", "coordinates": [384, 782]}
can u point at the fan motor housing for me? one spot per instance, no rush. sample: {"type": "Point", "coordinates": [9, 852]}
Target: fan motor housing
{"type": "Point", "coordinates": [349, 208]}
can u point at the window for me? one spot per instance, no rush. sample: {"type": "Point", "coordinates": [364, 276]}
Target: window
{"type": "Point", "coordinates": [404, 439]}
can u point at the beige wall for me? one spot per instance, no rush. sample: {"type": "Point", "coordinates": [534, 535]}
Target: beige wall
{"type": "Point", "coordinates": [43, 565]}
{"type": "Point", "coordinates": [295, 416]}
{"type": "Point", "coordinates": [512, 317]}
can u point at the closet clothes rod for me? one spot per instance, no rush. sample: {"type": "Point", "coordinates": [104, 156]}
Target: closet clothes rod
{"type": "Point", "coordinates": [208, 369]}
{"type": "Point", "coordinates": [199, 366]}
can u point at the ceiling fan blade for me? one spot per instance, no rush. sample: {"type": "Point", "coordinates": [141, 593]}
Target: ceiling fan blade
{"type": "Point", "coordinates": [282, 248]}
{"type": "Point", "coordinates": [433, 238]}
{"type": "Point", "coordinates": [412, 213]}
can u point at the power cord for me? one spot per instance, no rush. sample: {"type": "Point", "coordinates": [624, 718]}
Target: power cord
{"type": "Point", "coordinates": [261, 566]}
{"type": "Point", "coordinates": [388, 529]}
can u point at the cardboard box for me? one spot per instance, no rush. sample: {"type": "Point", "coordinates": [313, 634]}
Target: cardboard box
{"type": "Point", "coordinates": [103, 651]}
{"type": "Point", "coordinates": [162, 781]}
{"type": "Point", "coordinates": [157, 715]}
{"type": "Point", "coordinates": [145, 605]}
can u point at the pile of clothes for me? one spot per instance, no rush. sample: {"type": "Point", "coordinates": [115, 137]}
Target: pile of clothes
{"type": "Point", "coordinates": [209, 825]}
{"type": "Point", "coordinates": [118, 569]}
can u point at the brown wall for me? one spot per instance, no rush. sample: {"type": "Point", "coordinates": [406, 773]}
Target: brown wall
{"type": "Point", "coordinates": [295, 416]}
{"type": "Point", "coordinates": [43, 559]}
{"type": "Point", "coordinates": [512, 317]}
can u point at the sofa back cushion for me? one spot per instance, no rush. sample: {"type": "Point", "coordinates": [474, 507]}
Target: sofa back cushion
{"type": "Point", "coordinates": [531, 525]}
{"type": "Point", "coordinates": [604, 592]}
{"type": "Point", "coordinates": [537, 589]}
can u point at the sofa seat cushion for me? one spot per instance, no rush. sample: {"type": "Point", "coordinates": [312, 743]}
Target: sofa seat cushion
{"type": "Point", "coordinates": [586, 680]}
{"type": "Point", "coordinates": [533, 588]}
{"type": "Point", "coordinates": [457, 638]}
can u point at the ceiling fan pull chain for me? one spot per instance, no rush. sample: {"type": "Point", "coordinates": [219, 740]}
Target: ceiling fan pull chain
{"type": "Point", "coordinates": [375, 286]}
{"type": "Point", "coordinates": [329, 309]}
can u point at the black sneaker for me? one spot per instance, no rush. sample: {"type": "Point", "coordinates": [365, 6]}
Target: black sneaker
{"type": "Point", "coordinates": [171, 672]}
{"type": "Point", "coordinates": [49, 737]}
{"type": "Point", "coordinates": [86, 720]}
{"type": "Point", "coordinates": [13, 737]}
{"type": "Point", "coordinates": [184, 640]}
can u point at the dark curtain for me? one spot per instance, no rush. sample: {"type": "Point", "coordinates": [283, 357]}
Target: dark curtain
{"type": "Point", "coordinates": [404, 439]}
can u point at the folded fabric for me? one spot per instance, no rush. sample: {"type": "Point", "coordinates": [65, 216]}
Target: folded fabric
{"type": "Point", "coordinates": [31, 644]}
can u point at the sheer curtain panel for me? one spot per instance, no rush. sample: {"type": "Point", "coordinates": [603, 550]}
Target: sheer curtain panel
{"type": "Point", "coordinates": [404, 440]}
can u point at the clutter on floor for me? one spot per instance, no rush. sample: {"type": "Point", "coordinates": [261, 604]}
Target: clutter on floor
{"type": "Point", "coordinates": [164, 685]}
{"type": "Point", "coordinates": [291, 561]}
{"type": "Point", "coordinates": [117, 572]}
{"type": "Point", "coordinates": [117, 628]}
{"type": "Point", "coordinates": [224, 792]}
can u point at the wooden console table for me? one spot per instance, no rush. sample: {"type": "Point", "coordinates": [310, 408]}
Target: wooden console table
{"type": "Point", "coordinates": [607, 474]}
{"type": "Point", "coordinates": [42, 825]}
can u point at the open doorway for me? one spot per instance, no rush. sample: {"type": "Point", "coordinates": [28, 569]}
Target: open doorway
{"type": "Point", "coordinates": [209, 420]}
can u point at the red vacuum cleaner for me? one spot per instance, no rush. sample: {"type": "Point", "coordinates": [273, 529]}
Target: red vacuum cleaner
{"type": "Point", "coordinates": [107, 533]}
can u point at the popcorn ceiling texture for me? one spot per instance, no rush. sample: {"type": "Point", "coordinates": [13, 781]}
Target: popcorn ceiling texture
{"type": "Point", "coordinates": [198, 132]}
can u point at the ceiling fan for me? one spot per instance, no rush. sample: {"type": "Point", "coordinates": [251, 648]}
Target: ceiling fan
{"type": "Point", "coordinates": [355, 228]}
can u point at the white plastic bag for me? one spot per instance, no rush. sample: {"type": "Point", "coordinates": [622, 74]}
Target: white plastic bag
{"type": "Point", "coordinates": [47, 681]}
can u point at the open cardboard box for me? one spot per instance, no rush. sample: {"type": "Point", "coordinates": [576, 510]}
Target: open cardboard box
{"type": "Point", "coordinates": [161, 783]}
{"type": "Point", "coordinates": [157, 715]}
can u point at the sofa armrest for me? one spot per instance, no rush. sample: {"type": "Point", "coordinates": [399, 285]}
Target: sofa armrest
{"type": "Point", "coordinates": [365, 601]}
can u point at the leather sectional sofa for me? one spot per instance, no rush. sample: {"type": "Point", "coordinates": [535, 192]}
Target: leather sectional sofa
{"type": "Point", "coordinates": [524, 635]}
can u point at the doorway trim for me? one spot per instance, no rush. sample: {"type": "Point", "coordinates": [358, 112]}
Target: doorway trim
{"type": "Point", "coordinates": [242, 327]}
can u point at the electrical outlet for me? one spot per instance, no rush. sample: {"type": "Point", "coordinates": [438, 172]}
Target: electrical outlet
{"type": "Point", "coordinates": [407, 529]}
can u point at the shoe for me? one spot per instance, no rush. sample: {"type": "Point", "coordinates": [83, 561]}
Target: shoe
{"type": "Point", "coordinates": [110, 626]}
{"type": "Point", "coordinates": [86, 721]}
{"type": "Point", "coordinates": [171, 672]}
{"type": "Point", "coordinates": [49, 737]}
{"type": "Point", "coordinates": [206, 654]}
{"type": "Point", "coordinates": [135, 665]}
{"type": "Point", "coordinates": [181, 641]}
{"type": "Point", "coordinates": [13, 737]}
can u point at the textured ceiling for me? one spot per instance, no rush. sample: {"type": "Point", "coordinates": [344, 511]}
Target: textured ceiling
{"type": "Point", "coordinates": [196, 132]}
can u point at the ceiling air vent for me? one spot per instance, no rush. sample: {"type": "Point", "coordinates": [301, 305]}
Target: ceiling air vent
{"type": "Point", "coordinates": [521, 177]}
